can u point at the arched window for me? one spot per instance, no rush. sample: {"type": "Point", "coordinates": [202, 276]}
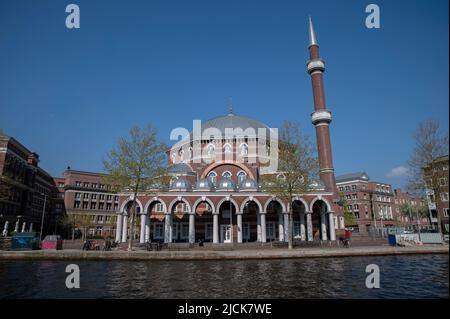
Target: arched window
{"type": "Point", "coordinates": [244, 149]}
{"type": "Point", "coordinates": [227, 148]}
{"type": "Point", "coordinates": [211, 149]}
{"type": "Point", "coordinates": [226, 175]}
{"type": "Point", "coordinates": [174, 158]}
{"type": "Point", "coordinates": [212, 176]}
{"type": "Point", "coordinates": [241, 176]}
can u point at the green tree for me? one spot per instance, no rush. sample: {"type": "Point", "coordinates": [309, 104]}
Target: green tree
{"type": "Point", "coordinates": [138, 165]}
{"type": "Point", "coordinates": [297, 169]}
{"type": "Point", "coordinates": [349, 218]}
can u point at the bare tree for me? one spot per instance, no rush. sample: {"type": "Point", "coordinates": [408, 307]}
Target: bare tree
{"type": "Point", "coordinates": [297, 169]}
{"type": "Point", "coordinates": [430, 144]}
{"type": "Point", "coordinates": [138, 164]}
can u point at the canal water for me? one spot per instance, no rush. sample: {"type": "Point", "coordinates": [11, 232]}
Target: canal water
{"type": "Point", "coordinates": [419, 276]}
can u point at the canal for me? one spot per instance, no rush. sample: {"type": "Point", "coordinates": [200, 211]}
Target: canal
{"type": "Point", "coordinates": [418, 276]}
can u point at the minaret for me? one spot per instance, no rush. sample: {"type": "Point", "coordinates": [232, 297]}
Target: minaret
{"type": "Point", "coordinates": [321, 117]}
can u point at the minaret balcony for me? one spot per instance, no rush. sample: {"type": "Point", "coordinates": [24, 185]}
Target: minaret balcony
{"type": "Point", "coordinates": [321, 117]}
{"type": "Point", "coordinates": [315, 65]}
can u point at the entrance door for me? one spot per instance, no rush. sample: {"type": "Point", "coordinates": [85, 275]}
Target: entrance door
{"type": "Point", "coordinates": [225, 233]}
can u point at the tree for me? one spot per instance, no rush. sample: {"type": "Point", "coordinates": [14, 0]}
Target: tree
{"type": "Point", "coordinates": [349, 218]}
{"type": "Point", "coordinates": [137, 164]}
{"type": "Point", "coordinates": [297, 169]}
{"type": "Point", "coordinates": [414, 212]}
{"type": "Point", "coordinates": [430, 144]}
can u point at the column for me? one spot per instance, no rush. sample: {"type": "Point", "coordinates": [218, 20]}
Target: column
{"type": "Point", "coordinates": [280, 227]}
{"type": "Point", "coordinates": [309, 227]}
{"type": "Point", "coordinates": [286, 226]}
{"type": "Point", "coordinates": [16, 228]}
{"type": "Point", "coordinates": [331, 225]}
{"type": "Point", "coordinates": [147, 229]}
{"type": "Point", "coordinates": [31, 227]}
{"type": "Point", "coordinates": [323, 226]}
{"type": "Point", "coordinates": [192, 228]}
{"type": "Point", "coordinates": [142, 232]}
{"type": "Point", "coordinates": [215, 228]}
{"type": "Point", "coordinates": [124, 228]}
{"type": "Point", "coordinates": [119, 228]}
{"type": "Point", "coordinates": [168, 228]}
{"type": "Point", "coordinates": [302, 226]}
{"type": "Point", "coordinates": [239, 227]}
{"type": "Point", "coordinates": [24, 224]}
{"type": "Point", "coordinates": [258, 227]}
{"type": "Point", "coordinates": [263, 227]}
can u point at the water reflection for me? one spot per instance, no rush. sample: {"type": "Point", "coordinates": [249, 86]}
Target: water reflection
{"type": "Point", "coordinates": [401, 277]}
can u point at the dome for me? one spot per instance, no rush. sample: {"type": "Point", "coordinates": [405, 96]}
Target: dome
{"type": "Point", "coordinates": [181, 169]}
{"type": "Point", "coordinates": [226, 183]}
{"type": "Point", "coordinates": [248, 183]}
{"type": "Point", "coordinates": [232, 121]}
{"type": "Point", "coordinates": [180, 184]}
{"type": "Point", "coordinates": [204, 184]}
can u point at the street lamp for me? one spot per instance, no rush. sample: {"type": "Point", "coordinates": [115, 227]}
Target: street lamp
{"type": "Point", "coordinates": [43, 214]}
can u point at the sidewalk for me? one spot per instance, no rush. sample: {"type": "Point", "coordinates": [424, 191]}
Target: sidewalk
{"type": "Point", "coordinates": [222, 255]}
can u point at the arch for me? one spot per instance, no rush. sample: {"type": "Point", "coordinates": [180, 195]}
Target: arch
{"type": "Point", "coordinates": [154, 200]}
{"type": "Point", "coordinates": [303, 201]}
{"type": "Point", "coordinates": [176, 200]}
{"type": "Point", "coordinates": [203, 199]}
{"type": "Point", "coordinates": [239, 174]}
{"type": "Point", "coordinates": [223, 200]}
{"type": "Point", "coordinates": [223, 162]}
{"type": "Point", "coordinates": [251, 199]}
{"type": "Point", "coordinates": [227, 148]}
{"type": "Point", "coordinates": [228, 173]}
{"type": "Point", "coordinates": [242, 147]}
{"type": "Point", "coordinates": [128, 200]}
{"type": "Point", "coordinates": [319, 198]}
{"type": "Point", "coordinates": [283, 207]}
{"type": "Point", "coordinates": [210, 149]}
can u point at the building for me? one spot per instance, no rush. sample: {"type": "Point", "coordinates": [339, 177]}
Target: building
{"type": "Point", "coordinates": [436, 178]}
{"type": "Point", "coordinates": [28, 193]}
{"type": "Point", "coordinates": [371, 203]}
{"type": "Point", "coordinates": [415, 203]}
{"type": "Point", "coordinates": [215, 192]}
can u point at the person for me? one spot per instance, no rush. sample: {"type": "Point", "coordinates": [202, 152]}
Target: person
{"type": "Point", "coordinates": [347, 236]}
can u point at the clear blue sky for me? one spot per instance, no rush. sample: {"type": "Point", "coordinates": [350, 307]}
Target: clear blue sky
{"type": "Point", "coordinates": [69, 94]}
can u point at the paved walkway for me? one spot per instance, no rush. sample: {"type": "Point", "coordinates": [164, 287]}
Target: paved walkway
{"type": "Point", "coordinates": [221, 255]}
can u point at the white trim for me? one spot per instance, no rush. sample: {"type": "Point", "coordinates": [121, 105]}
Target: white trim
{"type": "Point", "coordinates": [251, 199]}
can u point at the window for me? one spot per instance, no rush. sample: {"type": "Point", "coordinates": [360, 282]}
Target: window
{"type": "Point", "coordinates": [210, 150]}
{"type": "Point", "coordinates": [108, 219]}
{"type": "Point", "coordinates": [61, 185]}
{"type": "Point", "coordinates": [348, 196]}
{"type": "Point", "coordinates": [109, 197]}
{"type": "Point", "coordinates": [85, 196]}
{"type": "Point", "coordinates": [159, 207]}
{"type": "Point", "coordinates": [116, 198]}
{"type": "Point", "coordinates": [77, 195]}
{"type": "Point", "coordinates": [108, 206]}
{"type": "Point", "coordinates": [244, 149]}
{"type": "Point", "coordinates": [93, 205]}
{"type": "Point", "coordinates": [78, 184]}
{"type": "Point", "coordinates": [86, 185]}
{"type": "Point", "coordinates": [158, 232]}
{"type": "Point", "coordinates": [444, 197]}
{"type": "Point", "coordinates": [341, 189]}
{"type": "Point", "coordinates": [270, 230]}
{"type": "Point", "coordinates": [356, 215]}
{"type": "Point", "coordinates": [354, 187]}
{"type": "Point", "coordinates": [241, 176]}
{"type": "Point", "coordinates": [101, 196]}
{"type": "Point", "coordinates": [100, 218]}
{"type": "Point", "coordinates": [226, 174]}
{"type": "Point", "coordinates": [212, 176]}
{"type": "Point", "coordinates": [246, 231]}
{"type": "Point", "coordinates": [347, 188]}
{"type": "Point", "coordinates": [116, 206]}
{"type": "Point", "coordinates": [356, 207]}
{"type": "Point", "coordinates": [94, 185]}
{"type": "Point", "coordinates": [355, 196]}
{"type": "Point", "coordinates": [92, 218]}
{"type": "Point", "coordinates": [101, 206]}
{"type": "Point", "coordinates": [184, 230]}
{"type": "Point", "coordinates": [85, 205]}
{"type": "Point", "coordinates": [208, 231]}
{"type": "Point", "coordinates": [446, 212]}
{"type": "Point", "coordinates": [227, 148]}
{"type": "Point", "coordinates": [185, 208]}
{"type": "Point", "coordinates": [94, 196]}
{"type": "Point", "coordinates": [443, 181]}
{"type": "Point", "coordinates": [76, 204]}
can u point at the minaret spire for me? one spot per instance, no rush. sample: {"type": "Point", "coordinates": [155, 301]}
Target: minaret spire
{"type": "Point", "coordinates": [321, 117]}
{"type": "Point", "coordinates": [230, 106]}
{"type": "Point", "coordinates": [312, 34]}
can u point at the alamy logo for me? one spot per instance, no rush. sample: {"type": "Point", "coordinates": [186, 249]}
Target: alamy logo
{"type": "Point", "coordinates": [373, 19]}
{"type": "Point", "coordinates": [73, 279]}
{"type": "Point", "coordinates": [373, 279]}
{"type": "Point", "coordinates": [73, 19]}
